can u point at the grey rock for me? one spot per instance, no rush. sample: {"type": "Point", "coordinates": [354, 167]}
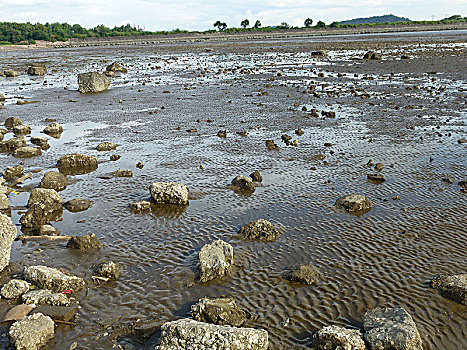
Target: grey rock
{"type": "Point", "coordinates": [108, 269]}
{"type": "Point", "coordinates": [371, 55]}
{"type": "Point", "coordinates": [44, 205]}
{"type": "Point", "coordinates": [84, 242]}
{"type": "Point", "coordinates": [116, 67]}
{"type": "Point", "coordinates": [53, 279]}
{"type": "Point", "coordinates": [8, 234]}
{"type": "Point", "coordinates": [93, 82]}
{"type": "Point", "coordinates": [106, 146]}
{"type": "Point", "coordinates": [77, 205]}
{"type": "Point", "coordinates": [169, 193]}
{"type": "Point", "coordinates": [57, 313]}
{"type": "Point", "coordinates": [53, 180]}
{"type": "Point", "coordinates": [48, 230]}
{"type": "Point", "coordinates": [337, 338]}
{"type": "Point", "coordinates": [214, 260]}
{"type": "Point", "coordinates": [220, 311]}
{"type": "Point", "coordinates": [12, 172]}
{"type": "Point", "coordinates": [259, 230]}
{"type": "Point", "coordinates": [77, 164]}
{"type": "Point", "coordinates": [243, 183]}
{"type": "Point", "coordinates": [27, 152]}
{"type": "Point", "coordinates": [53, 129]}
{"type": "Point", "coordinates": [37, 69]}
{"type": "Point", "coordinates": [42, 142]}
{"type": "Point", "coordinates": [453, 287]}
{"type": "Point", "coordinates": [14, 289]}
{"type": "Point", "coordinates": [17, 312]}
{"type": "Point", "coordinates": [45, 297]}
{"type": "Point", "coordinates": [190, 334]}
{"type": "Point", "coordinates": [353, 203]}
{"type": "Point", "coordinates": [305, 274]}
{"type": "Point", "coordinates": [32, 332]}
{"type": "Point", "coordinates": [391, 329]}
{"type": "Point", "coordinates": [22, 129]}
{"type": "Point", "coordinates": [11, 122]}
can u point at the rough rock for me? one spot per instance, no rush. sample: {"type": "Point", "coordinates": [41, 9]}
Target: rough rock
{"type": "Point", "coordinates": [337, 338]}
{"type": "Point", "coordinates": [140, 206]}
{"type": "Point", "coordinates": [123, 173]}
{"type": "Point", "coordinates": [48, 230]}
{"type": "Point", "coordinates": [222, 133]}
{"type": "Point", "coordinates": [10, 73]}
{"type": "Point", "coordinates": [190, 334]}
{"type": "Point", "coordinates": [22, 129]}
{"type": "Point", "coordinates": [89, 241]}
{"type": "Point", "coordinates": [243, 183]}
{"type": "Point", "coordinates": [32, 332]}
{"type": "Point", "coordinates": [115, 157]}
{"type": "Point", "coordinates": [77, 205]}
{"type": "Point", "coordinates": [45, 297]}
{"type": "Point", "coordinates": [2, 97]}
{"type": "Point", "coordinates": [8, 234]}
{"type": "Point", "coordinates": [220, 311]}
{"type": "Point", "coordinates": [12, 144]}
{"type": "Point", "coordinates": [42, 142]}
{"type": "Point", "coordinates": [377, 178]}
{"type": "Point", "coordinates": [271, 145]}
{"type": "Point", "coordinates": [4, 203]}
{"type": "Point", "coordinates": [37, 69]}
{"type": "Point", "coordinates": [256, 176]}
{"type": "Point", "coordinates": [453, 287]}
{"type": "Point", "coordinates": [53, 129]}
{"type": "Point", "coordinates": [259, 230]}
{"type": "Point", "coordinates": [108, 269]}
{"type": "Point", "coordinates": [106, 146]}
{"type": "Point", "coordinates": [214, 260]}
{"type": "Point", "coordinates": [53, 279]}
{"type": "Point", "coordinates": [371, 55]}
{"type": "Point", "coordinates": [11, 122]}
{"type": "Point", "coordinates": [77, 164]}
{"type": "Point", "coordinates": [169, 193]}
{"type": "Point", "coordinates": [305, 274]}
{"type": "Point", "coordinates": [53, 180]}
{"type": "Point", "coordinates": [116, 67]}
{"type": "Point", "coordinates": [391, 329]}
{"type": "Point", "coordinates": [14, 289]}
{"type": "Point", "coordinates": [12, 172]}
{"type": "Point", "coordinates": [27, 152]}
{"type": "Point", "coordinates": [44, 205]}
{"type": "Point", "coordinates": [93, 82]}
{"type": "Point", "coordinates": [319, 53]}
{"type": "Point", "coordinates": [353, 203]}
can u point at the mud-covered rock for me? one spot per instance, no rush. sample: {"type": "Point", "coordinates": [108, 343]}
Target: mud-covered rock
{"type": "Point", "coordinates": [22, 129]}
{"type": "Point", "coordinates": [53, 180]}
{"type": "Point", "coordinates": [53, 129]}
{"type": "Point", "coordinates": [42, 142]}
{"type": "Point", "coordinates": [77, 205]}
{"type": "Point", "coordinates": [106, 146]}
{"type": "Point", "coordinates": [220, 311]}
{"type": "Point", "coordinates": [37, 69]}
{"type": "Point", "coordinates": [93, 82]}
{"type": "Point", "coordinates": [243, 183]}
{"type": "Point", "coordinates": [12, 144]}
{"type": "Point", "coordinates": [256, 176]}
{"type": "Point", "coordinates": [116, 67]}
{"type": "Point", "coordinates": [108, 269]}
{"type": "Point", "coordinates": [32, 332]}
{"type": "Point", "coordinates": [53, 279]}
{"type": "Point", "coordinates": [11, 122]}
{"type": "Point", "coordinates": [14, 289]}
{"type": "Point", "coordinates": [45, 297]}
{"type": "Point", "coordinates": [337, 338]}
{"type": "Point", "coordinates": [453, 287]}
{"type": "Point", "coordinates": [140, 206]}
{"type": "Point", "coordinates": [10, 73]}
{"type": "Point", "coordinates": [190, 334]}
{"type": "Point", "coordinates": [353, 203]}
{"type": "Point", "coordinates": [214, 260]}
{"type": "Point", "coordinates": [89, 241]}
{"type": "Point", "coordinates": [305, 274]}
{"type": "Point", "coordinates": [8, 234]}
{"type": "Point", "coordinates": [13, 172]}
{"type": "Point", "coordinates": [74, 164]}
{"type": "Point", "coordinates": [169, 193]}
{"type": "Point", "coordinates": [371, 55]}
{"type": "Point", "coordinates": [391, 329]}
{"type": "Point", "coordinates": [27, 152]}
{"type": "Point", "coordinates": [44, 205]}
{"type": "Point", "coordinates": [259, 230]}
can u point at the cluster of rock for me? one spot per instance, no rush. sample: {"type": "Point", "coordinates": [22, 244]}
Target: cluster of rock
{"type": "Point", "coordinates": [92, 82]}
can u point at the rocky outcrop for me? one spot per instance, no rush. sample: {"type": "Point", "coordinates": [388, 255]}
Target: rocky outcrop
{"type": "Point", "coordinates": [259, 230]}
{"type": "Point", "coordinates": [13, 172]}
{"type": "Point", "coordinates": [27, 152]}
{"type": "Point", "coordinates": [335, 337]}
{"type": "Point", "coordinates": [305, 274]}
{"type": "Point", "coordinates": [391, 329]}
{"type": "Point", "coordinates": [37, 69]}
{"type": "Point", "coordinates": [32, 332]}
{"type": "Point", "coordinates": [93, 82]}
{"type": "Point", "coordinates": [106, 146]}
{"type": "Point", "coordinates": [453, 287]}
{"type": "Point", "coordinates": [169, 193]}
{"type": "Point", "coordinates": [84, 242]}
{"type": "Point", "coordinates": [53, 180]}
{"type": "Point", "coordinates": [108, 269]}
{"type": "Point", "coordinates": [8, 234]}
{"type": "Point", "coordinates": [353, 203]}
{"type": "Point", "coordinates": [77, 205]}
{"type": "Point", "coordinates": [220, 311]}
{"type": "Point", "coordinates": [190, 334]}
{"type": "Point", "coordinates": [44, 205]}
{"type": "Point", "coordinates": [214, 260]}
{"type": "Point", "coordinates": [243, 183]}
{"type": "Point", "coordinates": [74, 164]}
{"type": "Point", "coordinates": [14, 289]}
{"type": "Point", "coordinates": [53, 279]}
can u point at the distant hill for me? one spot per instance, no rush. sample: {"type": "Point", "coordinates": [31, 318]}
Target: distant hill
{"type": "Point", "coordinates": [376, 19]}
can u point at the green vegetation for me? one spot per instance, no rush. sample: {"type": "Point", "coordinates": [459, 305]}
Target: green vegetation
{"type": "Point", "coordinates": [245, 23]}
{"type": "Point", "coordinates": [376, 19]}
{"type": "Point", "coordinates": [220, 25]}
{"type": "Point", "coordinates": [308, 23]}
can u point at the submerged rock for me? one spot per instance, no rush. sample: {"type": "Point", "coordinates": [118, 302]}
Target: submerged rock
{"type": "Point", "coordinates": [77, 205]}
{"type": "Point", "coordinates": [108, 269]}
{"type": "Point", "coordinates": [44, 205]}
{"type": "Point", "coordinates": [8, 234]}
{"type": "Point", "coordinates": [453, 287]}
{"type": "Point", "coordinates": [259, 230]}
{"type": "Point", "coordinates": [27, 152]}
{"type": "Point", "coordinates": [106, 146]}
{"type": "Point", "coordinates": [89, 241]}
{"type": "Point", "coordinates": [169, 193]}
{"type": "Point", "coordinates": [32, 332]}
{"type": "Point", "coordinates": [13, 172]}
{"type": "Point", "coordinates": [53, 279]}
{"type": "Point", "coordinates": [391, 329]}
{"type": "Point", "coordinates": [190, 334]}
{"type": "Point", "coordinates": [45, 297]}
{"type": "Point", "coordinates": [53, 180]}
{"type": "Point", "coordinates": [53, 129]}
{"type": "Point", "coordinates": [74, 164]}
{"type": "Point", "coordinates": [335, 337]}
{"type": "Point", "coordinates": [305, 274]}
{"type": "Point", "coordinates": [243, 183]}
{"type": "Point", "coordinates": [93, 82]}
{"type": "Point", "coordinates": [14, 289]}
{"type": "Point", "coordinates": [220, 311]}
{"type": "Point", "coordinates": [214, 260]}
{"type": "Point", "coordinates": [353, 203]}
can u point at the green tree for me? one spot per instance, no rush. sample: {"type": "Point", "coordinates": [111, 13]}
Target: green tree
{"type": "Point", "coordinates": [334, 24]}
{"type": "Point", "coordinates": [320, 24]}
{"type": "Point", "coordinates": [308, 22]}
{"type": "Point", "coordinates": [284, 25]}
{"type": "Point", "coordinates": [245, 23]}
{"type": "Point", "coordinates": [257, 24]}
{"type": "Point", "coordinates": [220, 25]}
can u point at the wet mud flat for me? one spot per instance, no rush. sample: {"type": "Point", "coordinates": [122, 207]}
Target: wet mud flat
{"type": "Point", "coordinates": [407, 114]}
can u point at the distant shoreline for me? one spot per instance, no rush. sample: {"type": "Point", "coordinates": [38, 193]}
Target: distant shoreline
{"type": "Point", "coordinates": [221, 36]}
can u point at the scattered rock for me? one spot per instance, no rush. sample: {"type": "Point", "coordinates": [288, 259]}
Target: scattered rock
{"type": "Point", "coordinates": [377, 178]}
{"type": "Point", "coordinates": [371, 55]}
{"type": "Point", "coordinates": [45, 297]}
{"type": "Point", "coordinates": [57, 313]}
{"type": "Point", "coordinates": [453, 287]}
{"type": "Point", "coordinates": [214, 260]}
{"type": "Point", "coordinates": [379, 166]}
{"type": "Point", "coordinates": [12, 144]}
{"type": "Point", "coordinates": [10, 73]}
{"type": "Point", "coordinates": [319, 53]}
{"type": "Point", "coordinates": [259, 230]}
{"type": "Point", "coordinates": [222, 133]}
{"type": "Point", "coordinates": [353, 203]}
{"type": "Point", "coordinates": [108, 269]}
{"type": "Point", "coordinates": [190, 334]}
{"type": "Point", "coordinates": [27, 152]}
{"type": "Point", "coordinates": [53, 129]}
{"type": "Point", "coordinates": [391, 329]}
{"type": "Point", "coordinates": [256, 176]}
{"type": "Point", "coordinates": [93, 82]}
{"type": "Point", "coordinates": [77, 164]}
{"type": "Point", "coordinates": [286, 139]}
{"type": "Point", "coordinates": [22, 129]}
{"type": "Point", "coordinates": [106, 146]}
{"type": "Point", "coordinates": [77, 205]}
{"type": "Point", "coordinates": [115, 157]}
{"type": "Point", "coordinates": [299, 132]}
{"type": "Point", "coordinates": [11, 122]}
{"type": "Point", "coordinates": [89, 241]}
{"type": "Point", "coordinates": [271, 145]}
{"type": "Point", "coordinates": [37, 69]}
{"type": "Point", "coordinates": [18, 312]}
{"type": "Point", "coordinates": [243, 183]}
{"type": "Point", "coordinates": [405, 57]}
{"type": "Point", "coordinates": [44, 205]}
{"type": "Point", "coordinates": [13, 172]}
{"type": "Point", "coordinates": [169, 193]}
{"type": "Point", "coordinates": [116, 67]}
{"type": "Point", "coordinates": [48, 230]}
{"type": "Point", "coordinates": [460, 141]}
{"type": "Point", "coordinates": [53, 180]}
{"type": "Point", "coordinates": [335, 337]}
{"type": "Point", "coordinates": [53, 279]}
{"type": "Point", "coordinates": [123, 173]}
{"type": "Point", "coordinates": [305, 274]}
{"type": "Point", "coordinates": [221, 311]}
{"type": "Point", "coordinates": [140, 206]}
{"type": "Point", "coordinates": [140, 165]}
{"type": "Point", "coordinates": [8, 234]}
{"type": "Point", "coordinates": [32, 332]}
{"type": "Point", "coordinates": [14, 289]}
{"type": "Point", "coordinates": [42, 142]}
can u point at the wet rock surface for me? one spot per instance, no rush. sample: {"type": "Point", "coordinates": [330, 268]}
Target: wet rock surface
{"type": "Point", "coordinates": [37, 69]}
{"type": "Point", "coordinates": [220, 311]}
{"type": "Point", "coordinates": [77, 204]}
{"type": "Point", "coordinates": [108, 269]}
{"type": "Point", "coordinates": [453, 287]}
{"type": "Point", "coordinates": [53, 180]}
{"type": "Point", "coordinates": [305, 274]}
{"type": "Point", "coordinates": [45, 297]}
{"type": "Point", "coordinates": [214, 260]}
{"type": "Point", "coordinates": [259, 230]}
{"type": "Point", "coordinates": [14, 288]}
{"type": "Point", "coordinates": [169, 193]}
{"type": "Point", "coordinates": [8, 233]}
{"type": "Point", "coordinates": [53, 279]}
{"type": "Point", "coordinates": [32, 332]}
{"type": "Point", "coordinates": [76, 164]}
{"type": "Point", "coordinates": [353, 203]}
{"type": "Point", "coordinates": [13, 172]}
{"type": "Point", "coordinates": [89, 241]}
{"type": "Point", "coordinates": [106, 146]}
{"type": "Point", "coordinates": [53, 129]}
{"type": "Point", "coordinates": [44, 205]}
{"type": "Point", "coordinates": [27, 152]}
{"type": "Point", "coordinates": [243, 183]}
{"type": "Point", "coordinates": [92, 82]}
{"type": "Point", "coordinates": [336, 337]}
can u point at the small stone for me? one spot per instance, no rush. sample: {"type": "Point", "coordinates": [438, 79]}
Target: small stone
{"type": "Point", "coordinates": [108, 269]}
{"type": "Point", "coordinates": [27, 152]}
{"type": "Point", "coordinates": [77, 205]}
{"type": "Point", "coordinates": [259, 230]}
{"type": "Point", "coordinates": [115, 157]}
{"type": "Point", "coordinates": [243, 183]}
{"type": "Point", "coordinates": [14, 289]}
{"type": "Point", "coordinates": [377, 178]}
{"type": "Point", "coordinates": [106, 146]}
{"type": "Point", "coordinates": [222, 133]}
{"type": "Point", "coordinates": [379, 166]}
{"type": "Point", "coordinates": [32, 332]}
{"type": "Point", "coordinates": [48, 230]}
{"type": "Point", "coordinates": [45, 297]}
{"type": "Point", "coordinates": [123, 173]}
{"type": "Point", "coordinates": [53, 129]}
{"type": "Point", "coordinates": [89, 241]}
{"type": "Point", "coordinates": [214, 260]}
{"type": "Point", "coordinates": [256, 176]}
{"type": "Point", "coordinates": [453, 287]}
{"type": "Point", "coordinates": [270, 144]}
{"type": "Point", "coordinates": [353, 203]}
{"type": "Point", "coordinates": [169, 193]}
{"type": "Point", "coordinates": [305, 274]}
{"type": "Point", "coordinates": [460, 141]}
{"type": "Point", "coordinates": [140, 165]}
{"type": "Point", "coordinates": [140, 206]}
{"type": "Point", "coordinates": [53, 180]}
{"type": "Point", "coordinates": [220, 311]}
{"type": "Point", "coordinates": [22, 129]}
{"type": "Point", "coordinates": [299, 132]}
{"type": "Point", "coordinates": [396, 198]}
{"type": "Point", "coordinates": [371, 55]}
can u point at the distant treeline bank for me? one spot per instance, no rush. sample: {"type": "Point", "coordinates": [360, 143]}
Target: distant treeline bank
{"type": "Point", "coordinates": [28, 33]}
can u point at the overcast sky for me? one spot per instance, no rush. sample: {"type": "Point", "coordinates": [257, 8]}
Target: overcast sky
{"type": "Point", "coordinates": [201, 14]}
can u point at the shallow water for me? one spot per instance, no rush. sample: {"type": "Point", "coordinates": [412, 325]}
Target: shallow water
{"type": "Point", "coordinates": [383, 258]}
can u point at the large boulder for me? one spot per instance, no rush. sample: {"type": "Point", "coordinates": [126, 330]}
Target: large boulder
{"type": "Point", "coordinates": [32, 332]}
{"type": "Point", "coordinates": [44, 205]}
{"type": "Point", "coordinates": [391, 329]}
{"type": "Point", "coordinates": [259, 230]}
{"type": "Point", "coordinates": [27, 152]}
{"type": "Point", "coordinates": [371, 55]}
{"type": "Point", "coordinates": [93, 82]}
{"type": "Point", "coordinates": [169, 193]}
{"type": "Point", "coordinates": [53, 180]}
{"type": "Point", "coordinates": [221, 311]}
{"type": "Point", "coordinates": [353, 203]}
{"type": "Point", "coordinates": [53, 279]}
{"type": "Point", "coordinates": [22, 129]}
{"type": "Point", "coordinates": [8, 234]}
{"type": "Point", "coordinates": [13, 172]}
{"type": "Point", "coordinates": [74, 164]}
{"type": "Point", "coordinates": [305, 274]}
{"type": "Point", "coordinates": [335, 337]}
{"type": "Point", "coordinates": [106, 146]}
{"type": "Point", "coordinates": [14, 288]}
{"type": "Point", "coordinates": [214, 260]}
{"type": "Point", "coordinates": [453, 287]}
{"type": "Point", "coordinates": [190, 334]}
{"type": "Point", "coordinates": [77, 204]}
{"type": "Point", "coordinates": [37, 69]}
